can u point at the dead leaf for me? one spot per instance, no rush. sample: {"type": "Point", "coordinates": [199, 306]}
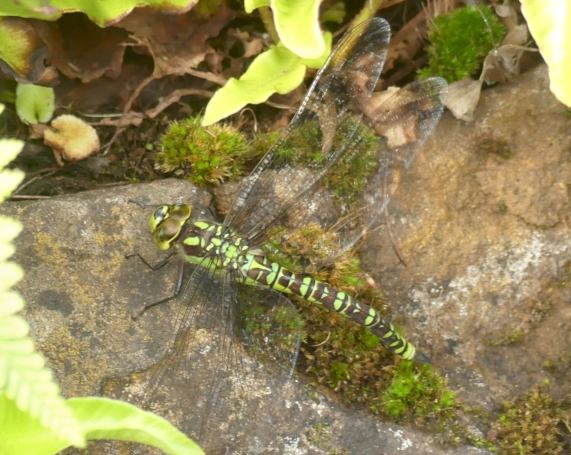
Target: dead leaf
{"type": "Point", "coordinates": [462, 98]}
{"type": "Point", "coordinates": [81, 50]}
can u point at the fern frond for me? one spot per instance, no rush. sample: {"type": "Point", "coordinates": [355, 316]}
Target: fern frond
{"type": "Point", "coordinates": [26, 384]}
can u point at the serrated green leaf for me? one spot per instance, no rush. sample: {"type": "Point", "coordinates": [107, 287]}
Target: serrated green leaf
{"type": "Point", "coordinates": [34, 104]}
{"type": "Point", "coordinates": [9, 227]}
{"type": "Point", "coordinates": [297, 24]}
{"type": "Point", "coordinates": [9, 180]}
{"type": "Point", "coordinates": [276, 70]}
{"type": "Point", "coordinates": [103, 418]}
{"type": "Point", "coordinates": [10, 274]}
{"type": "Point", "coordinates": [100, 12]}
{"type": "Point", "coordinates": [9, 149]}
{"type": "Point", "coordinates": [11, 303]}
{"type": "Point", "coordinates": [24, 435]}
{"type": "Point", "coordinates": [548, 22]}
{"type": "Point", "coordinates": [251, 5]}
{"type": "Point", "coordinates": [13, 327]}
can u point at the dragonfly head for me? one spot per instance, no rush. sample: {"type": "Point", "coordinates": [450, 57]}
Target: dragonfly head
{"type": "Point", "coordinates": [166, 223]}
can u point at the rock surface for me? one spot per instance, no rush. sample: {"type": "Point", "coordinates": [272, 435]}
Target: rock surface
{"type": "Point", "coordinates": [482, 220]}
{"type": "Point", "coordinates": [81, 292]}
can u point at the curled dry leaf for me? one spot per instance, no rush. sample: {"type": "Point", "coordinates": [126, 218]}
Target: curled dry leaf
{"type": "Point", "coordinates": [71, 139]}
{"type": "Point", "coordinates": [462, 98]}
{"type": "Point", "coordinates": [503, 63]}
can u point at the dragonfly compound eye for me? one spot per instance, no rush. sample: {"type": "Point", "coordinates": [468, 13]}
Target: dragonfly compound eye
{"type": "Point", "coordinates": [167, 232]}
{"type": "Point", "coordinates": [181, 212]}
{"type": "Point", "coordinates": [158, 216]}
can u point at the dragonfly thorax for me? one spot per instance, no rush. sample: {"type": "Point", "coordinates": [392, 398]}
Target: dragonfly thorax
{"type": "Point", "coordinates": [213, 245]}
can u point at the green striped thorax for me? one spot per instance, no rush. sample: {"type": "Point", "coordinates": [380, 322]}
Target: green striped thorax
{"type": "Point", "coordinates": [201, 242]}
{"type": "Point", "coordinates": [167, 222]}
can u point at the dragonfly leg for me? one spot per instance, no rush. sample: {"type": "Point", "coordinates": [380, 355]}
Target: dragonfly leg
{"type": "Point", "coordinates": [177, 288]}
{"type": "Point", "coordinates": [154, 267]}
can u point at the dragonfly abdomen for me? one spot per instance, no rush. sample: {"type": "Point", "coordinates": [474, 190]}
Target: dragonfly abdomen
{"type": "Point", "coordinates": [259, 270]}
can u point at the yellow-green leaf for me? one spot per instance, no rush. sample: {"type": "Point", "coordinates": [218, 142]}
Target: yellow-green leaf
{"type": "Point", "coordinates": [34, 104]}
{"type": "Point", "coordinates": [103, 418]}
{"type": "Point", "coordinates": [549, 23]}
{"type": "Point", "coordinates": [251, 5]}
{"type": "Point", "coordinates": [297, 24]}
{"type": "Point", "coordinates": [276, 70]}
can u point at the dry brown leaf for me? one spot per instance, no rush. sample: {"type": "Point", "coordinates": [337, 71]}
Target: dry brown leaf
{"type": "Point", "coordinates": [462, 98]}
{"type": "Point", "coordinates": [81, 50]}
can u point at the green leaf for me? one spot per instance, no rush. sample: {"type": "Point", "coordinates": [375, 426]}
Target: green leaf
{"type": "Point", "coordinates": [251, 5]}
{"type": "Point", "coordinates": [101, 12]}
{"type": "Point", "coordinates": [34, 104]}
{"type": "Point", "coordinates": [22, 434]}
{"type": "Point", "coordinates": [297, 24]}
{"type": "Point", "coordinates": [19, 40]}
{"type": "Point", "coordinates": [103, 418]}
{"type": "Point", "coordinates": [275, 70]}
{"type": "Point", "coordinates": [548, 22]}
{"type": "Point", "coordinates": [319, 61]}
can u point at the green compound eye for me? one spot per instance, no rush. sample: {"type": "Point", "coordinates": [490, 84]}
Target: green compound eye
{"type": "Point", "coordinates": [161, 213]}
{"type": "Point", "coordinates": [158, 216]}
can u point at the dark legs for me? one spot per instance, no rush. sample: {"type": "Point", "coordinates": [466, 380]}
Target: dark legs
{"type": "Point", "coordinates": [154, 268]}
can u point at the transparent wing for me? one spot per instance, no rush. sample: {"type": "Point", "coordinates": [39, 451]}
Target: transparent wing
{"type": "Point", "coordinates": [270, 327]}
{"type": "Point", "coordinates": [346, 80]}
{"type": "Point", "coordinates": [341, 158]}
{"type": "Point", "coordinates": [401, 119]}
{"type": "Point", "coordinates": [216, 368]}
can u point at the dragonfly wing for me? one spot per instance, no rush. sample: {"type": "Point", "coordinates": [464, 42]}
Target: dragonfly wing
{"type": "Point", "coordinates": [340, 159]}
{"type": "Point", "coordinates": [271, 328]}
{"type": "Point", "coordinates": [374, 148]}
{"type": "Point", "coordinates": [347, 80]}
{"type": "Point", "coordinates": [353, 196]}
{"type": "Point", "coordinates": [403, 119]}
{"type": "Point", "coordinates": [209, 370]}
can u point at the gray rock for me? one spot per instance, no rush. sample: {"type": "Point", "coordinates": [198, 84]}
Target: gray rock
{"type": "Point", "coordinates": [81, 292]}
{"type": "Point", "coordinates": [482, 222]}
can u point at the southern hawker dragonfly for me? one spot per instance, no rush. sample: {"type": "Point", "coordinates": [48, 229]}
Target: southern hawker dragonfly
{"type": "Point", "coordinates": [233, 295]}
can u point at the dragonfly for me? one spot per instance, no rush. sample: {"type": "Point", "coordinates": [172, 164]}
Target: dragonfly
{"type": "Point", "coordinates": [230, 287]}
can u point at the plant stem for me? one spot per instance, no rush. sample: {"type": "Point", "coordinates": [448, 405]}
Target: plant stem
{"type": "Point", "coordinates": [267, 19]}
{"type": "Point", "coordinates": [369, 9]}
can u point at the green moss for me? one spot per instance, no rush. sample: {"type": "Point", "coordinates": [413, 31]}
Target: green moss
{"type": "Point", "coordinates": [417, 392]}
{"type": "Point", "coordinates": [349, 176]}
{"type": "Point", "coordinates": [349, 358]}
{"type": "Point", "coordinates": [531, 424]}
{"type": "Point", "coordinates": [514, 336]}
{"type": "Point", "coordinates": [460, 41]}
{"type": "Point", "coordinates": [322, 435]}
{"type": "Point", "coordinates": [205, 155]}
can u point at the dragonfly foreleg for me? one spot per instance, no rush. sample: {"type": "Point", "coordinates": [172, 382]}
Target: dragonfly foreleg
{"type": "Point", "coordinates": [155, 267]}
{"type": "Point", "coordinates": [177, 288]}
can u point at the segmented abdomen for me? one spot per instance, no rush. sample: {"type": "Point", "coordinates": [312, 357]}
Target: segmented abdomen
{"type": "Point", "coordinates": [259, 269]}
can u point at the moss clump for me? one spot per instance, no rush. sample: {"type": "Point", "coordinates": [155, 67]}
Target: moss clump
{"type": "Point", "coordinates": [348, 178]}
{"type": "Point", "coordinates": [417, 392]}
{"type": "Point", "coordinates": [531, 424]}
{"type": "Point", "coordinates": [460, 41]}
{"type": "Point", "coordinates": [206, 155]}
